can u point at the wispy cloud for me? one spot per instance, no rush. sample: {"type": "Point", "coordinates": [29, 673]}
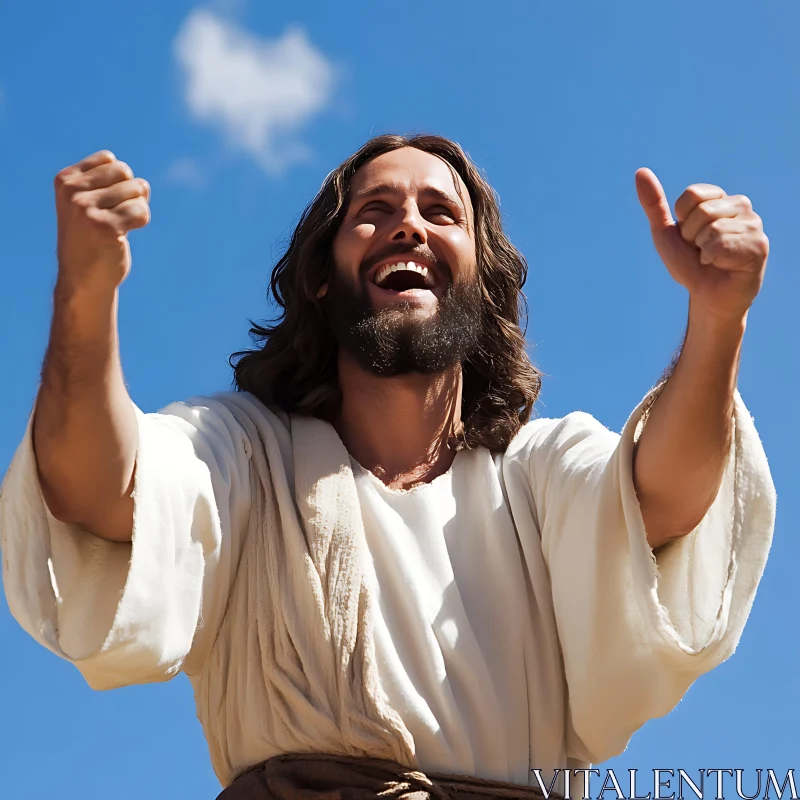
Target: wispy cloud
{"type": "Point", "coordinates": [258, 92]}
{"type": "Point", "coordinates": [186, 172]}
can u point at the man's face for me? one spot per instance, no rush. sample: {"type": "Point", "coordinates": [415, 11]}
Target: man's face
{"type": "Point", "coordinates": [404, 296]}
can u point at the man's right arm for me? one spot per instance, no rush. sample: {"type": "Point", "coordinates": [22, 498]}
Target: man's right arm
{"type": "Point", "coordinates": [85, 428]}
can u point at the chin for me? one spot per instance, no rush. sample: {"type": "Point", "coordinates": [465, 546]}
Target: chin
{"type": "Point", "coordinates": [404, 310]}
{"type": "Point", "coordinates": [410, 300]}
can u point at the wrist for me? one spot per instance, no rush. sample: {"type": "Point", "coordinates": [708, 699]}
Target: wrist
{"type": "Point", "coordinates": [85, 314]}
{"type": "Point", "coordinates": [712, 347]}
{"type": "Point", "coordinates": [84, 295]}
{"type": "Point", "coordinates": [712, 327]}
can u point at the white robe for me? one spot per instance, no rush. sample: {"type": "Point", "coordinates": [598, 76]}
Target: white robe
{"type": "Point", "coordinates": [507, 616]}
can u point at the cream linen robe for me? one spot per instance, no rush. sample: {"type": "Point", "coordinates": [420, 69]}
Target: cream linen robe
{"type": "Point", "coordinates": [248, 570]}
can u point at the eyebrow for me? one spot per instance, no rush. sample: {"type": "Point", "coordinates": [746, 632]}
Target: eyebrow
{"type": "Point", "coordinates": [394, 188]}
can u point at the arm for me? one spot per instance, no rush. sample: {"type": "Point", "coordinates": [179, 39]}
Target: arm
{"type": "Point", "coordinates": [136, 602]}
{"type": "Point", "coordinates": [681, 453]}
{"type": "Point", "coordinates": [634, 631]}
{"type": "Point", "coordinates": [718, 251]}
{"type": "Point", "coordinates": [85, 430]}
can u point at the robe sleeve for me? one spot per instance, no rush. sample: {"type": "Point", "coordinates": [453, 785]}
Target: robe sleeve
{"type": "Point", "coordinates": [141, 611]}
{"type": "Point", "coordinates": [636, 628]}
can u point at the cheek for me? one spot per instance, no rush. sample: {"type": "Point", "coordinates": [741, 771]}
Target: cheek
{"type": "Point", "coordinates": [462, 247]}
{"type": "Point", "coordinates": [351, 244]}
{"type": "Point", "coordinates": [364, 233]}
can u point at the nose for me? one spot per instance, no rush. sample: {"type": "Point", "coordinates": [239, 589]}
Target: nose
{"type": "Point", "coordinates": [411, 225]}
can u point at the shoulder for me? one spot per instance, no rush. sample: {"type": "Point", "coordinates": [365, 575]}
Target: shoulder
{"type": "Point", "coordinates": [550, 459]}
{"type": "Point", "coordinates": [546, 452]}
{"type": "Point", "coordinates": [217, 426]}
{"type": "Point", "coordinates": [223, 410]}
{"type": "Point", "coordinates": [559, 434]}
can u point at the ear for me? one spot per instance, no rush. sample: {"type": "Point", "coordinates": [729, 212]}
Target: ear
{"type": "Point", "coordinates": [322, 291]}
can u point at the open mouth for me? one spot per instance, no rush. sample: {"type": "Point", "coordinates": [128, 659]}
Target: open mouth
{"type": "Point", "coordinates": [404, 277]}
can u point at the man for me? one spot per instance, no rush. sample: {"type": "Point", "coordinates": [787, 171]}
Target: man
{"type": "Point", "coordinates": [369, 561]}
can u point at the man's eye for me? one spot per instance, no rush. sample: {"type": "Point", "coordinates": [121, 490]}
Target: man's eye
{"type": "Point", "coordinates": [441, 211]}
{"type": "Point", "coordinates": [376, 207]}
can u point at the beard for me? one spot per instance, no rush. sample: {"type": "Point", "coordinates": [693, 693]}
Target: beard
{"type": "Point", "coordinates": [395, 340]}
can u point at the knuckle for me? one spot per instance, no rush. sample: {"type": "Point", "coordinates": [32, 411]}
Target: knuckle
{"type": "Point", "coordinates": [717, 226]}
{"type": "Point", "coordinates": [134, 207]}
{"type": "Point", "coordinates": [143, 211]}
{"type": "Point", "coordinates": [81, 199]}
{"type": "Point", "coordinates": [695, 191]}
{"type": "Point", "coordinates": [68, 189]}
{"type": "Point", "coordinates": [137, 216]}
{"type": "Point", "coordinates": [100, 220]}
{"type": "Point", "coordinates": [62, 178]}
{"type": "Point", "coordinates": [142, 187]}
{"type": "Point", "coordinates": [744, 202]}
{"type": "Point", "coordinates": [124, 170]}
{"type": "Point", "coordinates": [707, 212]}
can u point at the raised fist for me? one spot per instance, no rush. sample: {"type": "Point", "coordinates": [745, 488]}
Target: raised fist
{"type": "Point", "coordinates": [98, 201]}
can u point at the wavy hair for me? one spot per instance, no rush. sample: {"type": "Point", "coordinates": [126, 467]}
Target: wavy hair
{"type": "Point", "coordinates": [294, 365]}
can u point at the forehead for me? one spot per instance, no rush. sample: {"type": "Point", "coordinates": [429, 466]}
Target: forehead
{"type": "Point", "coordinates": [411, 170]}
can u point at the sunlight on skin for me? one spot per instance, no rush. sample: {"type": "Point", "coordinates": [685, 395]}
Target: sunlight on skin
{"type": "Point", "coordinates": [419, 207]}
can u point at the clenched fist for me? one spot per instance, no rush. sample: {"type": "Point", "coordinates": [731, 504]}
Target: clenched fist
{"type": "Point", "coordinates": [98, 200]}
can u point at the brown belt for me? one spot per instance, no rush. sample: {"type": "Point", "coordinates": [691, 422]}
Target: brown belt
{"type": "Point", "coordinates": [324, 776]}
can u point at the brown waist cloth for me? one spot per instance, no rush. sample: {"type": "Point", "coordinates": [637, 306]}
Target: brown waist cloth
{"type": "Point", "coordinates": [324, 776]}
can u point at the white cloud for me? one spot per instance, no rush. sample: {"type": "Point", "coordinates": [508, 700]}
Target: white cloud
{"type": "Point", "coordinates": [186, 172]}
{"type": "Point", "coordinates": [259, 93]}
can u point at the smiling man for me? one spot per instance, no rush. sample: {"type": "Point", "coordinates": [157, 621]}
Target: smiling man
{"type": "Point", "coordinates": [381, 575]}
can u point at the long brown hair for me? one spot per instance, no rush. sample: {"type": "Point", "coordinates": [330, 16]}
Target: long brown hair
{"type": "Point", "coordinates": [295, 366]}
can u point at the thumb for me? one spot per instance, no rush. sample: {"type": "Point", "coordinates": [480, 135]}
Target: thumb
{"type": "Point", "coordinates": [653, 200]}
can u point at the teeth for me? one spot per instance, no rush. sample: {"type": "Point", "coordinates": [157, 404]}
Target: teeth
{"type": "Point", "coordinates": [387, 269]}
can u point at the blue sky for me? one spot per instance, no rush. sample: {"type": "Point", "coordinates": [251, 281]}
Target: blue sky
{"type": "Point", "coordinates": [235, 113]}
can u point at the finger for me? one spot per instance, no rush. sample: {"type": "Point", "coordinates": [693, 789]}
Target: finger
{"type": "Point", "coordinates": [98, 177]}
{"type": "Point", "coordinates": [111, 196]}
{"type": "Point", "coordinates": [126, 216]}
{"type": "Point", "coordinates": [694, 195]}
{"type": "Point", "coordinates": [709, 210]}
{"type": "Point", "coordinates": [85, 164]}
{"type": "Point", "coordinates": [726, 225]}
{"type": "Point", "coordinates": [653, 199]}
{"type": "Point", "coordinates": [95, 159]}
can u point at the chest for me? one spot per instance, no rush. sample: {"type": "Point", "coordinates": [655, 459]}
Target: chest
{"type": "Point", "coordinates": [447, 551]}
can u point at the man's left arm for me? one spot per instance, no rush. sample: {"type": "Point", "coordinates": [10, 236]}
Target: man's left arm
{"type": "Point", "coordinates": [718, 251]}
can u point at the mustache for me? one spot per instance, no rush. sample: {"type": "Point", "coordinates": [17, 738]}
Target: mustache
{"type": "Point", "coordinates": [418, 252]}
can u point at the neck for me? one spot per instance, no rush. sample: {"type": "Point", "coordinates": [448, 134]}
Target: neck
{"type": "Point", "coordinates": [398, 428]}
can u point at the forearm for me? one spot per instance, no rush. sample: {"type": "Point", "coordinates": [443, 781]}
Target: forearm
{"type": "Point", "coordinates": [85, 429]}
{"type": "Point", "coordinates": [681, 454]}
